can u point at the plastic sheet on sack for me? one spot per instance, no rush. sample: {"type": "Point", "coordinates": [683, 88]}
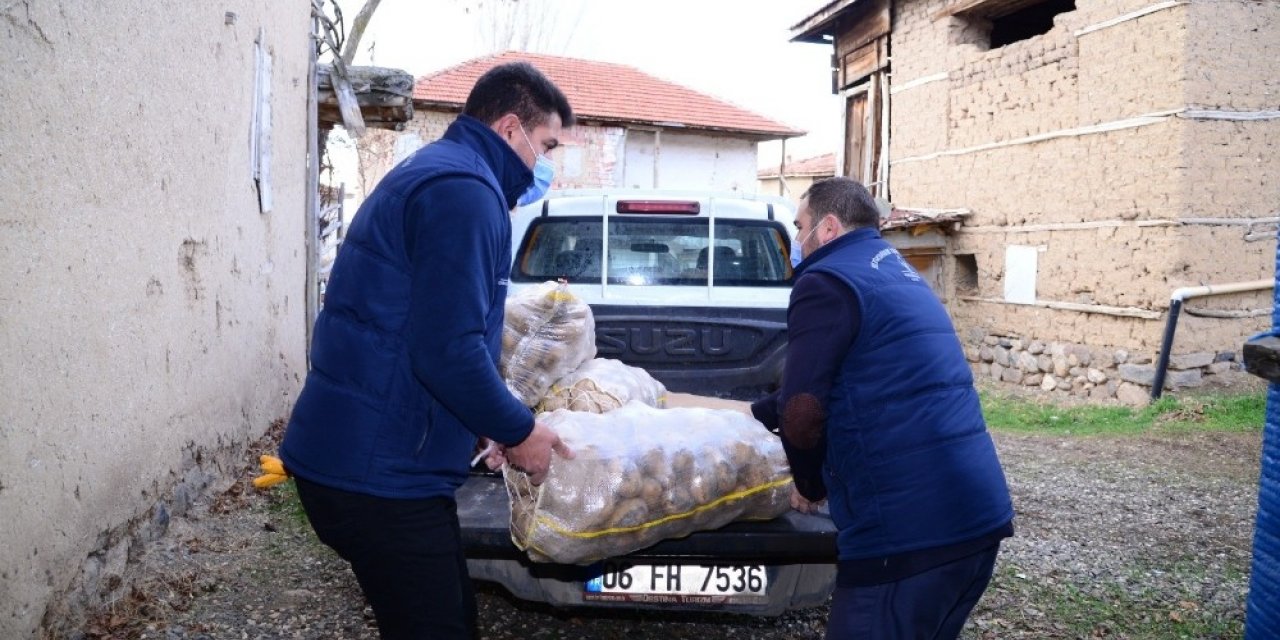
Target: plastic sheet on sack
{"type": "Point", "coordinates": [601, 385]}
{"type": "Point", "coordinates": [641, 475]}
{"type": "Point", "coordinates": [547, 334]}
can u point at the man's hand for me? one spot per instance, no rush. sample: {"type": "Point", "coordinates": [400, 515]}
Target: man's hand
{"type": "Point", "coordinates": [802, 504]}
{"type": "Point", "coordinates": [533, 456]}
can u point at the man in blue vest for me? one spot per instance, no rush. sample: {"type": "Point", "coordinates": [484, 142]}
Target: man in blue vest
{"type": "Point", "coordinates": [404, 363]}
{"type": "Point", "coordinates": [879, 416]}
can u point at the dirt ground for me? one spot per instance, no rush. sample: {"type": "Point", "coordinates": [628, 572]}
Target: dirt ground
{"type": "Point", "coordinates": [1135, 537]}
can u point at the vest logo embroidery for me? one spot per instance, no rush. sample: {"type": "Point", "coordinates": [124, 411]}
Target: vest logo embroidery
{"type": "Point", "coordinates": [907, 270]}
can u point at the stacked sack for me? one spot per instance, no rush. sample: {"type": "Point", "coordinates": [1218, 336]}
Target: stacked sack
{"type": "Point", "coordinates": [548, 333]}
{"type": "Point", "coordinates": [602, 385]}
{"type": "Point", "coordinates": [640, 475]}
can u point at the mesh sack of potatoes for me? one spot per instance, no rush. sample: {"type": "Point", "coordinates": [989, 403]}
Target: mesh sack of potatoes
{"type": "Point", "coordinates": [547, 334]}
{"type": "Point", "coordinates": [601, 385]}
{"type": "Point", "coordinates": [640, 475]}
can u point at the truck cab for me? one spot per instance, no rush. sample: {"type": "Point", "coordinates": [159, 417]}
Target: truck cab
{"type": "Point", "coordinates": [692, 287]}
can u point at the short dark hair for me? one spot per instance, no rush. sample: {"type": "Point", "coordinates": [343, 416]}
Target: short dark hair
{"type": "Point", "coordinates": [847, 199]}
{"type": "Point", "coordinates": [519, 88]}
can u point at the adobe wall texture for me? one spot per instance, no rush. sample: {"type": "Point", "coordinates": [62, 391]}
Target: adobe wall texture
{"type": "Point", "coordinates": [151, 317]}
{"type": "Point", "coordinates": [1113, 210]}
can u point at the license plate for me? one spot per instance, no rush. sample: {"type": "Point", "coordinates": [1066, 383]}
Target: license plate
{"type": "Point", "coordinates": [623, 581]}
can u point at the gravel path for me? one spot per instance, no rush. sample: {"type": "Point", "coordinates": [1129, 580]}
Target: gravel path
{"type": "Point", "coordinates": [1117, 538]}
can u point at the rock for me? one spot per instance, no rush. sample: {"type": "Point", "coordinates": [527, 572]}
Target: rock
{"type": "Point", "coordinates": [1035, 348]}
{"type": "Point", "coordinates": [1095, 376]}
{"type": "Point", "coordinates": [1218, 368]}
{"type": "Point", "coordinates": [1056, 349]}
{"type": "Point", "coordinates": [991, 341]}
{"type": "Point", "coordinates": [1181, 379]}
{"type": "Point", "coordinates": [1044, 363]}
{"type": "Point", "coordinates": [1190, 360]}
{"type": "Point", "coordinates": [1048, 383]}
{"type": "Point", "coordinates": [1004, 342]}
{"type": "Point", "coordinates": [1016, 345]}
{"type": "Point", "coordinates": [1076, 372]}
{"type": "Point", "coordinates": [971, 354]}
{"type": "Point", "coordinates": [1060, 366]}
{"type": "Point", "coordinates": [1082, 354]}
{"type": "Point", "coordinates": [1139, 359]}
{"type": "Point", "coordinates": [1011, 375]}
{"type": "Point", "coordinates": [1137, 374]}
{"type": "Point", "coordinates": [1072, 359]}
{"type": "Point", "coordinates": [986, 354]}
{"type": "Point", "coordinates": [1133, 395]}
{"type": "Point", "coordinates": [1100, 392]}
{"type": "Point", "coordinates": [1120, 356]}
{"type": "Point", "coordinates": [975, 335]}
{"type": "Point", "coordinates": [1032, 380]}
{"type": "Point", "coordinates": [1027, 362]}
{"type": "Point", "coordinates": [1001, 356]}
{"type": "Point", "coordinates": [1224, 356]}
{"type": "Point", "coordinates": [1064, 385]}
{"type": "Point", "coordinates": [997, 370]}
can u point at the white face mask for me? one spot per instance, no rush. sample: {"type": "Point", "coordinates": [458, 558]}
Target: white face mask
{"type": "Point", "coordinates": [797, 247]}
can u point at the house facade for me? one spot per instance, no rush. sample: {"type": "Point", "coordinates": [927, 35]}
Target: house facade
{"type": "Point", "coordinates": [153, 320]}
{"type": "Point", "coordinates": [791, 179]}
{"type": "Point", "coordinates": [633, 130]}
{"type": "Point", "coordinates": [1107, 152]}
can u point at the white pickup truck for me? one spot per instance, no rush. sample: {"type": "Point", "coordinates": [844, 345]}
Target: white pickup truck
{"type": "Point", "coordinates": [692, 287]}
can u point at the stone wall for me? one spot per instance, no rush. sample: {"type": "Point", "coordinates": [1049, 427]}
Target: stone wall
{"type": "Point", "coordinates": [1100, 374]}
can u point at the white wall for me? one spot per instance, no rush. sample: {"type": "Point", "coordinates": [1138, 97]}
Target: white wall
{"type": "Point", "coordinates": [150, 315]}
{"type": "Point", "coordinates": [689, 161]}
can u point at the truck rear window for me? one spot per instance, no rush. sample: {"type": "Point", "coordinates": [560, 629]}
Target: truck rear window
{"type": "Point", "coordinates": [651, 251]}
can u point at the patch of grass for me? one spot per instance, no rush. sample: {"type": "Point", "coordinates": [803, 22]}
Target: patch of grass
{"type": "Point", "coordinates": [1232, 413]}
{"type": "Point", "coordinates": [1115, 607]}
{"type": "Point", "coordinates": [284, 503]}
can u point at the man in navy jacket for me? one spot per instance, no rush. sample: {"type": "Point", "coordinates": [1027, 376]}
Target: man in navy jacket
{"type": "Point", "coordinates": [878, 415]}
{"type": "Point", "coordinates": [404, 375]}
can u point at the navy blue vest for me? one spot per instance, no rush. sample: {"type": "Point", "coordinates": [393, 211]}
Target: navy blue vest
{"type": "Point", "coordinates": [363, 422]}
{"type": "Point", "coordinates": [909, 464]}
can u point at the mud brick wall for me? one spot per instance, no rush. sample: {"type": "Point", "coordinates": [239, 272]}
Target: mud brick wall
{"type": "Point", "coordinates": [1044, 140]}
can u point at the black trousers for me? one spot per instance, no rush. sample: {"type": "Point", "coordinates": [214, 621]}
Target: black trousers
{"type": "Point", "coordinates": [407, 556]}
{"type": "Point", "coordinates": [932, 605]}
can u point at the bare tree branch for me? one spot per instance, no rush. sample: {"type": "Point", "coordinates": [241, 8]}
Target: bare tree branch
{"type": "Point", "coordinates": [357, 30]}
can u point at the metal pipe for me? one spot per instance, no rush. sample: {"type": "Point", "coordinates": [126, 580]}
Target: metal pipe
{"type": "Point", "coordinates": [1175, 306]}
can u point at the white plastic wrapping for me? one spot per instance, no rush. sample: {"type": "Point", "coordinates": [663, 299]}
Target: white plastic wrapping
{"type": "Point", "coordinates": [641, 475]}
{"type": "Point", "coordinates": [601, 385]}
{"type": "Point", "coordinates": [547, 334]}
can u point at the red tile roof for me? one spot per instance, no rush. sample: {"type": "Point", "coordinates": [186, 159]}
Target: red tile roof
{"type": "Point", "coordinates": [607, 93]}
{"type": "Point", "coordinates": [823, 165]}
